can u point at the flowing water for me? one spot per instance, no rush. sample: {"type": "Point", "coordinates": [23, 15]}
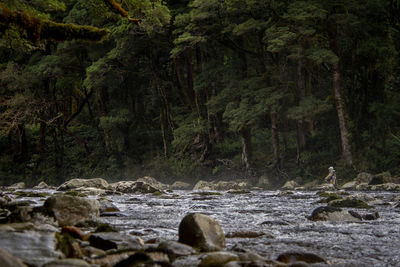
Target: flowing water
{"type": "Point", "coordinates": [282, 217]}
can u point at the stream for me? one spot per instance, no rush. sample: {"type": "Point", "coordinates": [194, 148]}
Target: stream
{"type": "Point", "coordinates": [282, 217]}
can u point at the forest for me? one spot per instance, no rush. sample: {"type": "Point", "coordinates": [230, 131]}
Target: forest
{"type": "Point", "coordinates": [198, 89]}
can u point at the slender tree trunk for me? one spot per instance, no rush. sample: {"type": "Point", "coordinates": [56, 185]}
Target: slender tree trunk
{"type": "Point", "coordinates": [340, 105]}
{"type": "Point", "coordinates": [340, 108]}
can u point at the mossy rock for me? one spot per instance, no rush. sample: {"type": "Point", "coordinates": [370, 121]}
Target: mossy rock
{"type": "Point", "coordinates": [157, 193]}
{"type": "Point", "coordinates": [75, 193]}
{"type": "Point", "coordinates": [349, 203]}
{"type": "Point", "coordinates": [30, 194]}
{"type": "Point", "coordinates": [104, 227]}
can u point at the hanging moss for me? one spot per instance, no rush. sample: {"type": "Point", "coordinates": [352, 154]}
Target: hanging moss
{"type": "Point", "coordinates": [36, 29]}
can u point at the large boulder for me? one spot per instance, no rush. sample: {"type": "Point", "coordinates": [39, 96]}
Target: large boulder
{"type": "Point", "coordinates": [34, 248]}
{"type": "Point", "coordinates": [71, 210]}
{"type": "Point", "coordinates": [134, 187]}
{"type": "Point", "coordinates": [20, 185]}
{"type": "Point", "coordinates": [349, 185]}
{"type": "Point", "coordinates": [219, 258]}
{"type": "Point", "coordinates": [333, 214]}
{"type": "Point", "coordinates": [364, 177]}
{"type": "Point", "coordinates": [153, 182]}
{"type": "Point", "coordinates": [180, 186]}
{"type": "Point", "coordinates": [41, 185]}
{"type": "Point", "coordinates": [290, 185]}
{"type": "Point", "coordinates": [202, 232]}
{"type": "Point", "coordinates": [381, 178]}
{"type": "Point", "coordinates": [203, 185]}
{"type": "Point", "coordinates": [77, 183]}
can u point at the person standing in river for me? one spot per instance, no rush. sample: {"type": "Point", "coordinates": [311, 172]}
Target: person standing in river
{"type": "Point", "coordinates": [331, 178]}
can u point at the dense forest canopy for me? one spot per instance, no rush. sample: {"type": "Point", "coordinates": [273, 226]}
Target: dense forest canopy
{"type": "Point", "coordinates": [198, 89]}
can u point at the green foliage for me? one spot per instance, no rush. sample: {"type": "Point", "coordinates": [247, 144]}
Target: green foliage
{"type": "Point", "coordinates": [174, 87]}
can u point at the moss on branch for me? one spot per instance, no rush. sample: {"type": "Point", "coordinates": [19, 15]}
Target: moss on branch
{"type": "Point", "coordinates": [37, 29]}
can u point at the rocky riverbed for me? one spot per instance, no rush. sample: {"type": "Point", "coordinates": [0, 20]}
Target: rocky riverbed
{"type": "Point", "coordinates": [351, 229]}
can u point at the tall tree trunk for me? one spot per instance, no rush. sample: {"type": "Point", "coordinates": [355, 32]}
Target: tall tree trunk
{"type": "Point", "coordinates": [275, 138]}
{"type": "Point", "coordinates": [340, 106]}
{"type": "Point", "coordinates": [245, 135]}
{"type": "Point", "coordinates": [20, 144]}
{"type": "Point", "coordinates": [301, 92]}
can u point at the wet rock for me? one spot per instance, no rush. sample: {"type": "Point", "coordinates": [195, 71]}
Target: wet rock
{"type": "Point", "coordinates": [92, 252]}
{"type": "Point", "coordinates": [326, 187]}
{"type": "Point", "coordinates": [350, 185]}
{"type": "Point", "coordinates": [364, 177]}
{"type": "Point", "coordinates": [180, 186]}
{"type": "Point", "coordinates": [77, 183]}
{"type": "Point", "coordinates": [250, 257]}
{"type": "Point", "coordinates": [104, 228]}
{"type": "Point", "coordinates": [294, 256]}
{"type": "Point", "coordinates": [143, 259]}
{"type": "Point", "coordinates": [239, 191]}
{"type": "Point", "coordinates": [42, 185]}
{"type": "Point", "coordinates": [175, 249]}
{"type": "Point", "coordinates": [8, 260]}
{"type": "Point", "coordinates": [203, 185]}
{"type": "Point", "coordinates": [332, 214]}
{"type": "Point", "coordinates": [228, 185]}
{"type": "Point", "coordinates": [134, 187]}
{"type": "Point", "coordinates": [329, 196]}
{"type": "Point", "coordinates": [112, 259]}
{"type": "Point", "coordinates": [244, 234]}
{"type": "Point", "coordinates": [106, 241]}
{"type": "Point", "coordinates": [20, 185]}
{"type": "Point", "coordinates": [68, 246]}
{"type": "Point", "coordinates": [91, 191]}
{"type": "Point", "coordinates": [34, 248]}
{"type": "Point", "coordinates": [23, 226]}
{"type": "Point", "coordinates": [381, 178]}
{"type": "Point", "coordinates": [371, 216]}
{"type": "Point", "coordinates": [70, 210]}
{"type": "Point", "coordinates": [107, 206]}
{"type": "Point", "coordinates": [362, 187]}
{"type": "Point", "coordinates": [75, 232]}
{"type": "Point", "coordinates": [219, 258]}
{"type": "Point", "coordinates": [14, 204]}
{"type": "Point", "coordinates": [385, 187]}
{"type": "Point", "coordinates": [153, 182]}
{"type": "Point", "coordinates": [349, 203]}
{"type": "Point", "coordinates": [67, 263]}
{"type": "Point", "coordinates": [202, 232]}
{"type": "Point", "coordinates": [290, 185]}
{"type": "Point", "coordinates": [30, 194]}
